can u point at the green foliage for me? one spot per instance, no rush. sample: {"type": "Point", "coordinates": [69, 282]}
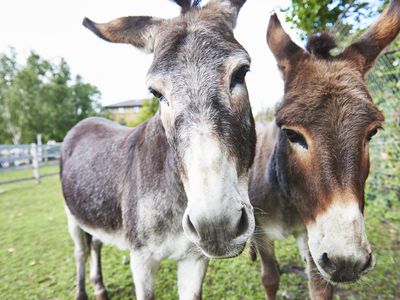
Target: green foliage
{"type": "Point", "coordinates": [41, 97]}
{"type": "Point", "coordinates": [383, 190]}
{"type": "Point", "coordinates": [37, 260]}
{"type": "Point", "coordinates": [384, 84]}
{"type": "Point", "coordinates": [310, 16]}
{"type": "Point", "coordinates": [149, 109]}
{"type": "Point", "coordinates": [122, 122]}
{"type": "Point", "coordinates": [266, 115]}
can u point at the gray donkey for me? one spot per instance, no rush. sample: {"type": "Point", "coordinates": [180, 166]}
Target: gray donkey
{"type": "Point", "coordinates": [176, 186]}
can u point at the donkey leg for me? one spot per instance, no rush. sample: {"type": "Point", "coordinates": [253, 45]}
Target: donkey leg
{"type": "Point", "coordinates": [269, 269]}
{"type": "Point", "coordinates": [143, 268]}
{"type": "Point", "coordinates": [318, 287]}
{"type": "Point", "coordinates": [301, 240]}
{"type": "Point", "coordinates": [191, 272]}
{"type": "Point", "coordinates": [96, 276]}
{"type": "Point", "coordinates": [81, 252]}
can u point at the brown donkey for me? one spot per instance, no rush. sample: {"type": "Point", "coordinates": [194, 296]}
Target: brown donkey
{"type": "Point", "coordinates": [310, 169]}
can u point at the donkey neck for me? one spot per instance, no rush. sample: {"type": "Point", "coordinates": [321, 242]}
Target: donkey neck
{"type": "Point", "coordinates": [277, 171]}
{"type": "Point", "coordinates": [268, 173]}
{"type": "Point", "coordinates": [148, 143]}
{"type": "Point", "coordinates": [278, 182]}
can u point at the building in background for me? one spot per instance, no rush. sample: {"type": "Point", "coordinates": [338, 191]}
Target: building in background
{"type": "Point", "coordinates": [124, 112]}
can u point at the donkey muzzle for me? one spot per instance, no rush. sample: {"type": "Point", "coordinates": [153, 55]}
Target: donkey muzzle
{"type": "Point", "coordinates": [220, 237]}
{"type": "Point", "coordinates": [346, 269]}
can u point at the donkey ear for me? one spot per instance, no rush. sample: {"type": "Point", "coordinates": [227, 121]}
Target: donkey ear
{"type": "Point", "coordinates": [286, 52]}
{"type": "Point", "coordinates": [236, 3]}
{"type": "Point", "coordinates": [366, 49]}
{"type": "Point", "coordinates": [138, 31]}
{"type": "Point", "coordinates": [229, 8]}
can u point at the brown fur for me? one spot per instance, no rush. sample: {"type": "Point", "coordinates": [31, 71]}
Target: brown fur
{"type": "Point", "coordinates": [326, 101]}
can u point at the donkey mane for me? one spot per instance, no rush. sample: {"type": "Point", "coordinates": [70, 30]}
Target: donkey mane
{"type": "Point", "coordinates": [320, 44]}
{"type": "Point", "coordinates": [186, 5]}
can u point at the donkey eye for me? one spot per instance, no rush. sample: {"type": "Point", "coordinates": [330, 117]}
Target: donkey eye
{"type": "Point", "coordinates": [238, 76]}
{"type": "Point", "coordinates": [371, 134]}
{"type": "Point", "coordinates": [295, 137]}
{"type": "Point", "coordinates": [158, 95]}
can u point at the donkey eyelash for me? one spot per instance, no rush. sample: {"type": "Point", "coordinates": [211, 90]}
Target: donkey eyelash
{"type": "Point", "coordinates": [238, 76]}
{"type": "Point", "coordinates": [158, 95]}
{"type": "Point", "coordinates": [295, 137]}
{"type": "Point", "coordinates": [372, 133]}
{"type": "Point", "coordinates": [155, 93]}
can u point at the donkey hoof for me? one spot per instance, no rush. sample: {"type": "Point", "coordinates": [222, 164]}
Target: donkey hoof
{"type": "Point", "coordinates": [103, 295]}
{"type": "Point", "coordinates": [81, 296]}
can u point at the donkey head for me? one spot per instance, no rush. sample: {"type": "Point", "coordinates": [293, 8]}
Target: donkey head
{"type": "Point", "coordinates": [326, 120]}
{"type": "Point", "coordinates": [198, 75]}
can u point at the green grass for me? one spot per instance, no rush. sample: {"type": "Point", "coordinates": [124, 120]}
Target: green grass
{"type": "Point", "coordinates": [26, 173]}
{"type": "Point", "coordinates": [36, 256]}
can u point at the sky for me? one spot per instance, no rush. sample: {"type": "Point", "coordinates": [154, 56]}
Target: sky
{"type": "Point", "coordinates": [54, 29]}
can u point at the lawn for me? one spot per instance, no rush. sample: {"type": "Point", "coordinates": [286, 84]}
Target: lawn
{"type": "Point", "coordinates": [36, 258]}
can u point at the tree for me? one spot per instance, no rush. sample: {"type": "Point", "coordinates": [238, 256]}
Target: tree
{"type": "Point", "coordinates": [310, 16]}
{"type": "Point", "coordinates": [41, 97]}
{"type": "Point", "coordinates": [266, 115]}
{"type": "Point", "coordinates": [149, 109]}
{"type": "Point", "coordinates": [23, 97]}
{"type": "Point", "coordinates": [7, 74]}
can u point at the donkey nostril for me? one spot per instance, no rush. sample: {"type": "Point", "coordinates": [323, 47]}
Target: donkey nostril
{"type": "Point", "coordinates": [368, 263]}
{"type": "Point", "coordinates": [243, 223]}
{"type": "Point", "coordinates": [327, 263]}
{"type": "Point", "coordinates": [191, 227]}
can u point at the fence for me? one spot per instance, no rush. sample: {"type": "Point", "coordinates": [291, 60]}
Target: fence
{"type": "Point", "coordinates": [33, 156]}
{"type": "Point", "coordinates": [384, 85]}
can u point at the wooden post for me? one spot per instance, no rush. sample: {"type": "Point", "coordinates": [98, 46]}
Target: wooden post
{"type": "Point", "coordinates": [46, 154]}
{"type": "Point", "coordinates": [39, 147]}
{"type": "Point", "coordinates": [35, 162]}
